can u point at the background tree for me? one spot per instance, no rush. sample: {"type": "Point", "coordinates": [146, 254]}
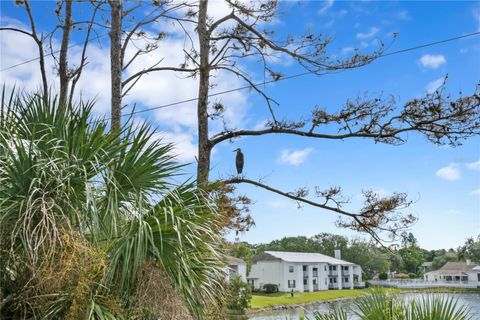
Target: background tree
{"type": "Point", "coordinates": [470, 250]}
{"type": "Point", "coordinates": [439, 261]}
{"type": "Point", "coordinates": [374, 260]}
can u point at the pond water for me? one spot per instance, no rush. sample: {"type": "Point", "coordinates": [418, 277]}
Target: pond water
{"type": "Point", "coordinates": [472, 300]}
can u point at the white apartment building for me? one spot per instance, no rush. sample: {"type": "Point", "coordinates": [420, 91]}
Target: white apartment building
{"type": "Point", "coordinates": [235, 267]}
{"type": "Point", "coordinates": [304, 272]}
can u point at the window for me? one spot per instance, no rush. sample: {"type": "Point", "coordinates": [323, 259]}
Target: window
{"type": "Point", "coordinates": [334, 268]}
{"type": "Point", "coordinates": [304, 268]}
{"type": "Point", "coordinates": [346, 279]}
{"type": "Point", "coordinates": [305, 282]}
{"type": "Point", "coordinates": [291, 284]}
{"type": "Point", "coordinates": [325, 281]}
{"type": "Point", "coordinates": [331, 280]}
{"type": "Point", "coordinates": [326, 268]}
{"type": "Point", "coordinates": [291, 268]}
{"type": "Point", "coordinates": [315, 281]}
{"type": "Point", "coordinates": [345, 268]}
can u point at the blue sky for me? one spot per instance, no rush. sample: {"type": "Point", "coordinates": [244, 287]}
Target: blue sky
{"type": "Point", "coordinates": [443, 181]}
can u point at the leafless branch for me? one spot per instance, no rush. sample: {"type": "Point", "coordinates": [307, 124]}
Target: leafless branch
{"type": "Point", "coordinates": [439, 118]}
{"type": "Point", "coordinates": [379, 215]}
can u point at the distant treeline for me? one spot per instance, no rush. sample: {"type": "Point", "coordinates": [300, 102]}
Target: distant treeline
{"type": "Point", "coordinates": [374, 259]}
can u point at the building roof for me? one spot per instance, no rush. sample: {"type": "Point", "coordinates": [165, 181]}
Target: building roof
{"type": "Point", "coordinates": [427, 264]}
{"type": "Point", "coordinates": [233, 261]}
{"type": "Point", "coordinates": [305, 257]}
{"type": "Point", "coordinates": [456, 267]}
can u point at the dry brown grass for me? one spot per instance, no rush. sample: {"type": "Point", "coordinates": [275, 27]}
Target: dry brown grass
{"type": "Point", "coordinates": [76, 268]}
{"type": "Point", "coordinates": [156, 298]}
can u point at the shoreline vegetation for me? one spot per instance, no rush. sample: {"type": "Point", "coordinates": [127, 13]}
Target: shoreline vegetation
{"type": "Point", "coordinates": [282, 300]}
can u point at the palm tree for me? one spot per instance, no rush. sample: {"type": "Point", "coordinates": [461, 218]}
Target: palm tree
{"type": "Point", "coordinates": [381, 305]}
{"type": "Point", "coordinates": [94, 223]}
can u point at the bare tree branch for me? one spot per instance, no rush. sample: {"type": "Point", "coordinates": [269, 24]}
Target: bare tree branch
{"type": "Point", "coordinates": [153, 69]}
{"type": "Point", "coordinates": [440, 119]}
{"type": "Point", "coordinates": [83, 60]}
{"type": "Point", "coordinates": [378, 216]}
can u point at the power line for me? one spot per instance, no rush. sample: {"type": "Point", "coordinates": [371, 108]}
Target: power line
{"type": "Point", "coordinates": [300, 74]}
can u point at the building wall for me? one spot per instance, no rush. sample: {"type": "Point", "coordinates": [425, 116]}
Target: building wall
{"type": "Point", "coordinates": [473, 276]}
{"type": "Point", "coordinates": [264, 272]}
{"type": "Point", "coordinates": [242, 271]}
{"type": "Point", "coordinates": [432, 275]}
{"type": "Point", "coordinates": [278, 272]}
{"type": "Point", "coordinates": [236, 270]}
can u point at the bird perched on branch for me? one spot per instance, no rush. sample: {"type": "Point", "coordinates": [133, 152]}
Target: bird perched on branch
{"type": "Point", "coordinates": [239, 162]}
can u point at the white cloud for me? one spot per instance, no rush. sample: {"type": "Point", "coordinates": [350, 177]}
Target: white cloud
{"type": "Point", "coordinates": [154, 89]}
{"type": "Point", "coordinates": [475, 192]}
{"type": "Point", "coordinates": [474, 165]}
{"type": "Point", "coordinates": [347, 50]}
{"type": "Point", "coordinates": [434, 85]}
{"type": "Point", "coordinates": [432, 61]}
{"type": "Point", "coordinates": [185, 150]}
{"type": "Point", "coordinates": [326, 5]}
{"type": "Point", "coordinates": [450, 172]}
{"type": "Point", "coordinates": [260, 125]}
{"type": "Point", "coordinates": [295, 157]}
{"type": "Point", "coordinates": [369, 34]}
{"type": "Point", "coordinates": [476, 16]}
{"type": "Point", "coordinates": [403, 15]}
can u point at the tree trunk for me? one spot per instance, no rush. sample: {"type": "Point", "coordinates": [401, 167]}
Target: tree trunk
{"type": "Point", "coordinates": [63, 64]}
{"type": "Point", "coordinates": [204, 148]}
{"type": "Point", "coordinates": [116, 62]}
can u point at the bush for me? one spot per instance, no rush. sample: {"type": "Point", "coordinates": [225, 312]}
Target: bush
{"type": "Point", "coordinates": [412, 275]}
{"type": "Point", "coordinates": [270, 288]}
{"type": "Point", "coordinates": [239, 295]}
{"type": "Point", "coordinates": [383, 276]}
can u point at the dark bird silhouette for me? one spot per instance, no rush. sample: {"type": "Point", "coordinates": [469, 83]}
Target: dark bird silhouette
{"type": "Point", "coordinates": [239, 161]}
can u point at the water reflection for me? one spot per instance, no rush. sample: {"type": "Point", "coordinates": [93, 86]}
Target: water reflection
{"type": "Point", "coordinates": [472, 300]}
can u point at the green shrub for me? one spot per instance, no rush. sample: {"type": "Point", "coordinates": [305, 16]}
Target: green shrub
{"type": "Point", "coordinates": [240, 294]}
{"type": "Point", "coordinates": [270, 288]}
{"type": "Point", "coordinates": [383, 276]}
{"type": "Point", "coordinates": [412, 275]}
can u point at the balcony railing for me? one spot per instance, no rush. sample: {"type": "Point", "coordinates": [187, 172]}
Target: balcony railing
{"type": "Point", "coordinates": [333, 286]}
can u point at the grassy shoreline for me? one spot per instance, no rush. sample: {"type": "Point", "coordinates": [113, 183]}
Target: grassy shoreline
{"type": "Point", "coordinates": [262, 302]}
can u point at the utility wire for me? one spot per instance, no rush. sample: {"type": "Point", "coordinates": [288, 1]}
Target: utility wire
{"type": "Point", "coordinates": [261, 83]}
{"type": "Point", "coordinates": [301, 74]}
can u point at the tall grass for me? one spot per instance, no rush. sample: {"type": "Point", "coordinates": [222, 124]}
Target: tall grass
{"type": "Point", "coordinates": [381, 305]}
